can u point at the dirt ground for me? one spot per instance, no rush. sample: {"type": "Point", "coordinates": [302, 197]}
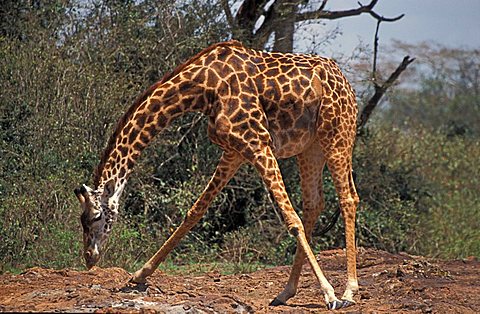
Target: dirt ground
{"type": "Point", "coordinates": [388, 284]}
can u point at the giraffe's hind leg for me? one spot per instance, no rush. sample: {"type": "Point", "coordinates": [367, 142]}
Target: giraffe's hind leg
{"type": "Point", "coordinates": [266, 164]}
{"type": "Point", "coordinates": [226, 169]}
{"type": "Point", "coordinates": [256, 150]}
{"type": "Point", "coordinates": [310, 163]}
{"type": "Point", "coordinates": [340, 166]}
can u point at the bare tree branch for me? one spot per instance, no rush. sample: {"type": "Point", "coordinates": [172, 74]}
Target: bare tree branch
{"type": "Point", "coordinates": [331, 15]}
{"type": "Point", "coordinates": [322, 6]}
{"type": "Point", "coordinates": [380, 91]}
{"type": "Point", "coordinates": [228, 13]}
{"type": "Point", "coordinates": [375, 52]}
{"type": "Point", "coordinates": [385, 19]}
{"type": "Point", "coordinates": [243, 23]}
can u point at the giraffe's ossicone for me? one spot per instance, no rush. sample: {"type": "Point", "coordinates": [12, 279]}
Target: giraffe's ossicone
{"type": "Point", "coordinates": [260, 106]}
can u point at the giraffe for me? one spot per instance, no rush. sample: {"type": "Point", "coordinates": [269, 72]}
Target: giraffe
{"type": "Point", "coordinates": [260, 107]}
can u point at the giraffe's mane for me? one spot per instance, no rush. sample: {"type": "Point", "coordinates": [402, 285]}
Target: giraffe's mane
{"type": "Point", "coordinates": [206, 50]}
{"type": "Point", "coordinates": [140, 99]}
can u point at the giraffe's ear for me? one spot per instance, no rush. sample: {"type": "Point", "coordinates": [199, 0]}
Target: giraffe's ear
{"type": "Point", "coordinates": [109, 189]}
{"type": "Point", "coordinates": [79, 195]}
{"type": "Point", "coordinates": [82, 193]}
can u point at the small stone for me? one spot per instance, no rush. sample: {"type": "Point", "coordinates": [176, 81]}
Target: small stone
{"type": "Point", "coordinates": [365, 295]}
{"type": "Point", "coordinates": [400, 272]}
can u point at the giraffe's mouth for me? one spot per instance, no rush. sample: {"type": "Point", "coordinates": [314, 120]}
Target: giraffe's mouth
{"type": "Point", "coordinates": [91, 258]}
{"type": "Point", "coordinates": [90, 264]}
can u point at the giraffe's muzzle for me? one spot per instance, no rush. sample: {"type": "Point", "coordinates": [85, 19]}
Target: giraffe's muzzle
{"type": "Point", "coordinates": [91, 258]}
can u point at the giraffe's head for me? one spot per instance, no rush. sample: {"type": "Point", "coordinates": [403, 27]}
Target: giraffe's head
{"type": "Point", "coordinates": [97, 218]}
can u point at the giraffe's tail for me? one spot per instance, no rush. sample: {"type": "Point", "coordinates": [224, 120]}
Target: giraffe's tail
{"type": "Point", "coordinates": [333, 220]}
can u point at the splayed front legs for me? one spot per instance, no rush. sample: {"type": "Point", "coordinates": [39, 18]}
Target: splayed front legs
{"type": "Point", "coordinates": [266, 164]}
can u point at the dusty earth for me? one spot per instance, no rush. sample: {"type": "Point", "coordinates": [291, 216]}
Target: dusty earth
{"type": "Point", "coordinates": [389, 284]}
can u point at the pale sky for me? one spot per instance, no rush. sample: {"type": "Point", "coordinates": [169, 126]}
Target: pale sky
{"type": "Point", "coordinates": [453, 23]}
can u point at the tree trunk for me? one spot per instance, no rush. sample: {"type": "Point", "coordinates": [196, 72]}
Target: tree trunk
{"type": "Point", "coordinates": [285, 12]}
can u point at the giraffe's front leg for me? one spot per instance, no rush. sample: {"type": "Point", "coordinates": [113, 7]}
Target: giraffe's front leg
{"type": "Point", "coordinates": [311, 164]}
{"type": "Point", "coordinates": [226, 169]}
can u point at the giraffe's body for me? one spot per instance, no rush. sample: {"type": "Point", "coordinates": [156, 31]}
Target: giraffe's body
{"type": "Point", "coordinates": [260, 106]}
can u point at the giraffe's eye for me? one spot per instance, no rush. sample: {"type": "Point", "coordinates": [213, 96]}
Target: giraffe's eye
{"type": "Point", "coordinates": [98, 217]}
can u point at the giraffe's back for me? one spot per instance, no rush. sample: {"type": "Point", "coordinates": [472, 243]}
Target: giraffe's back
{"type": "Point", "coordinates": [291, 95]}
{"type": "Point", "coordinates": [302, 96]}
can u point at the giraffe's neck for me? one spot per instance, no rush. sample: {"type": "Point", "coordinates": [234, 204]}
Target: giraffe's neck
{"type": "Point", "coordinates": [190, 87]}
{"type": "Point", "coordinates": [148, 116]}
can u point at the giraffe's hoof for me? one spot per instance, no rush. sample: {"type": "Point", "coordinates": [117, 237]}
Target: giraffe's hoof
{"type": "Point", "coordinates": [134, 287]}
{"type": "Point", "coordinates": [276, 302]}
{"type": "Point", "coordinates": [137, 280]}
{"type": "Point", "coordinates": [347, 303]}
{"type": "Point", "coordinates": [339, 304]}
{"type": "Point", "coordinates": [139, 277]}
{"type": "Point", "coordinates": [335, 305]}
